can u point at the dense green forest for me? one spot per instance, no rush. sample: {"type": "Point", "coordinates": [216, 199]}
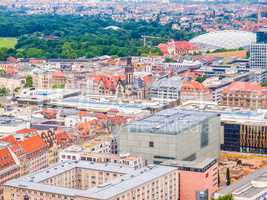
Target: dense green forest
{"type": "Point", "coordinates": [70, 36]}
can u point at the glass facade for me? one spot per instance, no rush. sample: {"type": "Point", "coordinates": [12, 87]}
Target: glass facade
{"type": "Point", "coordinates": [262, 36]}
{"type": "Point", "coordinates": [202, 195]}
{"type": "Point", "coordinates": [231, 137]}
{"type": "Point", "coordinates": [244, 138]}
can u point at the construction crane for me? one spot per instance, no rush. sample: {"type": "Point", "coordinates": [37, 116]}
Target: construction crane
{"type": "Point", "coordinates": [145, 37]}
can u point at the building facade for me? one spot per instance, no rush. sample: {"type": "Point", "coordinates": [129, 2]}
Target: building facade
{"type": "Point", "coordinates": [258, 55]}
{"type": "Point", "coordinates": [203, 172]}
{"type": "Point", "coordinates": [245, 136]}
{"type": "Point", "coordinates": [95, 181]}
{"type": "Point", "coordinates": [244, 94]}
{"type": "Point", "coordinates": [166, 89]}
{"type": "Point", "coordinates": [36, 153]}
{"type": "Point", "coordinates": [78, 153]}
{"type": "Point", "coordinates": [9, 168]}
{"type": "Point", "coordinates": [193, 90]}
{"type": "Point", "coordinates": [162, 136]}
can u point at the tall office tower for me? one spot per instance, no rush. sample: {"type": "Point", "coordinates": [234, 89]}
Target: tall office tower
{"type": "Point", "coordinates": [258, 50]}
{"type": "Point", "coordinates": [258, 55]}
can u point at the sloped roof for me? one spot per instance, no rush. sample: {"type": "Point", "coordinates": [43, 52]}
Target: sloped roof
{"type": "Point", "coordinates": [33, 144]}
{"type": "Point", "coordinates": [244, 86]}
{"type": "Point", "coordinates": [194, 85]}
{"type": "Point", "coordinates": [6, 158]}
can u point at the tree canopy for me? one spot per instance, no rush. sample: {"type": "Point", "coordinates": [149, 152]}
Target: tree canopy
{"type": "Point", "coordinates": [73, 36]}
{"type": "Point", "coordinates": [226, 197]}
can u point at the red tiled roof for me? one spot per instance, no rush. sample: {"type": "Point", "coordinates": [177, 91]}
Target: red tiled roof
{"type": "Point", "coordinates": [58, 74]}
{"type": "Point", "coordinates": [32, 144]}
{"type": "Point", "coordinates": [184, 45]}
{"type": "Point", "coordinates": [147, 79]}
{"type": "Point", "coordinates": [194, 85]}
{"type": "Point", "coordinates": [9, 139]}
{"type": "Point", "coordinates": [111, 81]}
{"type": "Point", "coordinates": [164, 49]}
{"type": "Point", "coordinates": [245, 87]}
{"type": "Point", "coordinates": [6, 158]}
{"type": "Point", "coordinates": [17, 149]}
{"type": "Point", "coordinates": [83, 112]}
{"type": "Point", "coordinates": [178, 45]}
{"type": "Point", "coordinates": [26, 131]}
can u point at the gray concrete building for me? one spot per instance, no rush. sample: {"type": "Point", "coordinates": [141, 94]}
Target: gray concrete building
{"type": "Point", "coordinates": [172, 134]}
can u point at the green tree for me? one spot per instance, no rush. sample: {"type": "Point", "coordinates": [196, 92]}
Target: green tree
{"type": "Point", "coordinates": [28, 82]}
{"type": "Point", "coordinates": [228, 177]}
{"type": "Point", "coordinates": [248, 54]}
{"type": "Point", "coordinates": [226, 197]}
{"type": "Point", "coordinates": [16, 90]}
{"type": "Point", "coordinates": [2, 72]}
{"type": "Point", "coordinates": [58, 86]}
{"type": "Point", "coordinates": [201, 79]}
{"type": "Point", "coordinates": [34, 53]}
{"type": "Point", "coordinates": [68, 51]}
{"type": "Point", "coordinates": [219, 179]}
{"type": "Point", "coordinates": [72, 36]}
{"type": "Point", "coordinates": [169, 60]}
{"type": "Point", "coordinates": [4, 91]}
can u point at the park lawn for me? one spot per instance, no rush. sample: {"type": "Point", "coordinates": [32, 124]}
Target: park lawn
{"type": "Point", "coordinates": [8, 42]}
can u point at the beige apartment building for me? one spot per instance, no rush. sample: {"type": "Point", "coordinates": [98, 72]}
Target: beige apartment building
{"type": "Point", "coordinates": [83, 180]}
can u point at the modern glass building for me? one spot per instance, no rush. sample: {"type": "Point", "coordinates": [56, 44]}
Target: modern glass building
{"type": "Point", "coordinates": [245, 137]}
{"type": "Point", "coordinates": [262, 35]}
{"type": "Point", "coordinates": [258, 56]}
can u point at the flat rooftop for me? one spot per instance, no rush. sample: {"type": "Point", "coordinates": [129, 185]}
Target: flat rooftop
{"type": "Point", "coordinates": [234, 114]}
{"type": "Point", "coordinates": [170, 121]}
{"type": "Point", "coordinates": [10, 120]}
{"type": "Point", "coordinates": [83, 102]}
{"type": "Point", "coordinates": [201, 164]}
{"type": "Point", "coordinates": [173, 82]}
{"type": "Point", "coordinates": [131, 179]}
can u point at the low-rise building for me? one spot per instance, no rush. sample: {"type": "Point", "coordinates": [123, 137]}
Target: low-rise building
{"type": "Point", "coordinates": [36, 153]}
{"type": "Point", "coordinates": [177, 48]}
{"type": "Point", "coordinates": [85, 180]}
{"type": "Point", "coordinates": [9, 167]}
{"type": "Point", "coordinates": [193, 90]}
{"type": "Point", "coordinates": [166, 89]}
{"type": "Point", "coordinates": [197, 179]}
{"type": "Point", "coordinates": [244, 94]}
{"type": "Point", "coordinates": [79, 153]}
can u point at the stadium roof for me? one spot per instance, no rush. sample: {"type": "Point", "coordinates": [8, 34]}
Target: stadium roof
{"type": "Point", "coordinates": [227, 39]}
